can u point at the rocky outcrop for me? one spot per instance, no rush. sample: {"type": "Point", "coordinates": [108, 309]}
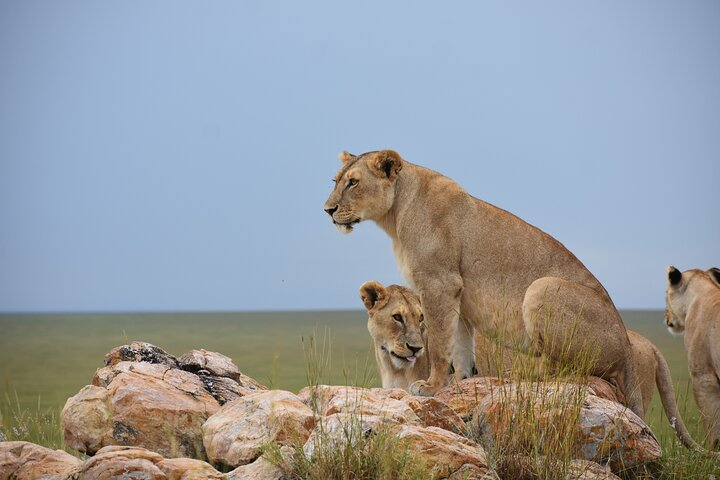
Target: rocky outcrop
{"type": "Point", "coordinates": [115, 462]}
{"type": "Point", "coordinates": [145, 397]}
{"type": "Point", "coordinates": [27, 461]}
{"type": "Point", "coordinates": [143, 405]}
{"type": "Point", "coordinates": [160, 416]}
{"type": "Point", "coordinates": [234, 435]}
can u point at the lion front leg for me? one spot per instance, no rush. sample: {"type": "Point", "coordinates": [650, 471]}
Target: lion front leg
{"type": "Point", "coordinates": [440, 298]}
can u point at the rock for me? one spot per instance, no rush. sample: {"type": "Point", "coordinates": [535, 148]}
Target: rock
{"type": "Point", "coordinates": [463, 396]}
{"type": "Point", "coordinates": [234, 435]}
{"type": "Point", "coordinates": [140, 352]}
{"type": "Point", "coordinates": [189, 469]}
{"type": "Point", "coordinates": [221, 376]}
{"type": "Point", "coordinates": [116, 462]}
{"type": "Point", "coordinates": [587, 470]}
{"type": "Point", "coordinates": [526, 467]}
{"type": "Point", "coordinates": [394, 404]}
{"type": "Point", "coordinates": [87, 420]}
{"type": "Point", "coordinates": [376, 402]}
{"type": "Point", "coordinates": [27, 461]}
{"type": "Point", "coordinates": [612, 433]}
{"type": "Point", "coordinates": [143, 405]}
{"type": "Point", "coordinates": [260, 469]}
{"type": "Point", "coordinates": [447, 451]}
{"type": "Point", "coordinates": [603, 431]}
{"type": "Point", "coordinates": [340, 429]}
{"type": "Point", "coordinates": [214, 363]}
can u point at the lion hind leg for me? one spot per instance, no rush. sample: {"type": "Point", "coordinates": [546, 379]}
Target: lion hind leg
{"type": "Point", "coordinates": [578, 328]}
{"type": "Point", "coordinates": [706, 389]}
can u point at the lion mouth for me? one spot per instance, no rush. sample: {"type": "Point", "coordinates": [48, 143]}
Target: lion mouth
{"type": "Point", "coordinates": [346, 227]}
{"type": "Point", "coordinates": [409, 358]}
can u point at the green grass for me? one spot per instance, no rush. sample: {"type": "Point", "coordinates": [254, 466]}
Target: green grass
{"type": "Point", "coordinates": [44, 359]}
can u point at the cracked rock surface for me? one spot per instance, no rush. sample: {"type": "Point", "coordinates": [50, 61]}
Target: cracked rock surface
{"type": "Point", "coordinates": [143, 398]}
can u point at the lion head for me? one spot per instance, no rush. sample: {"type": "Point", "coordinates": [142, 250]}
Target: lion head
{"type": "Point", "coordinates": [395, 323]}
{"type": "Point", "coordinates": [363, 188]}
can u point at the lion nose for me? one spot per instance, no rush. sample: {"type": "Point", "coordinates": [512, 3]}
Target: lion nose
{"type": "Point", "coordinates": [331, 210]}
{"type": "Point", "coordinates": [414, 350]}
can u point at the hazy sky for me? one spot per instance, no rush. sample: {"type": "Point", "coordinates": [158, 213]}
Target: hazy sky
{"type": "Point", "coordinates": [174, 155]}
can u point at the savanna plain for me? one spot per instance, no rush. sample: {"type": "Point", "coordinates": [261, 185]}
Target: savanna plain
{"type": "Point", "coordinates": [45, 359]}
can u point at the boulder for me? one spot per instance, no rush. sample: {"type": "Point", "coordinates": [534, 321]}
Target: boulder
{"type": "Point", "coordinates": [140, 404]}
{"type": "Point", "coordinates": [447, 451]}
{"type": "Point", "coordinates": [115, 462]}
{"type": "Point", "coordinates": [27, 461]}
{"type": "Point", "coordinates": [235, 434]}
{"type": "Point", "coordinates": [338, 430]}
{"type": "Point", "coordinates": [602, 431]}
{"type": "Point", "coordinates": [396, 405]}
{"type": "Point", "coordinates": [140, 352]}
{"type": "Point", "coordinates": [145, 397]}
{"type": "Point", "coordinates": [260, 469]}
{"type": "Point", "coordinates": [221, 376]}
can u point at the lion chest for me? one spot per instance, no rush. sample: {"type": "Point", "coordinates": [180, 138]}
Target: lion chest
{"type": "Point", "coordinates": [403, 263]}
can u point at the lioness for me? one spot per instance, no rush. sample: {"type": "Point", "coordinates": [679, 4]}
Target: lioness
{"type": "Point", "coordinates": [395, 323]}
{"type": "Point", "coordinates": [474, 264]}
{"type": "Point", "coordinates": [692, 307]}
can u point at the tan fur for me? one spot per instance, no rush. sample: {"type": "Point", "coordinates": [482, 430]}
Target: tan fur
{"type": "Point", "coordinates": [692, 307]}
{"type": "Point", "coordinates": [652, 370]}
{"type": "Point", "coordinates": [392, 337]}
{"type": "Point", "coordinates": [388, 335]}
{"type": "Point", "coordinates": [477, 266]}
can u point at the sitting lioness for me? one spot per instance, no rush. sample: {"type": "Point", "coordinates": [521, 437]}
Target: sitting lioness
{"type": "Point", "coordinates": [475, 265]}
{"type": "Point", "coordinates": [692, 307]}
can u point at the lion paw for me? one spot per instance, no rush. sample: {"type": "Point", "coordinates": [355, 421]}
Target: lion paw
{"type": "Point", "coordinates": [423, 389]}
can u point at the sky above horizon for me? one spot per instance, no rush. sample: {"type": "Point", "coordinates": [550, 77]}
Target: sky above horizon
{"type": "Point", "coordinates": [176, 155]}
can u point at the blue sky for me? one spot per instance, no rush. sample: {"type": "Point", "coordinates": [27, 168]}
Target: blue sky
{"type": "Point", "coordinates": [175, 155]}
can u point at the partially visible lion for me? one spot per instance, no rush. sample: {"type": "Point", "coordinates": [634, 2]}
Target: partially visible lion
{"type": "Point", "coordinates": [396, 325]}
{"type": "Point", "coordinates": [477, 267]}
{"type": "Point", "coordinates": [395, 322]}
{"type": "Point", "coordinates": [714, 274]}
{"type": "Point", "coordinates": [692, 307]}
{"type": "Point", "coordinates": [653, 371]}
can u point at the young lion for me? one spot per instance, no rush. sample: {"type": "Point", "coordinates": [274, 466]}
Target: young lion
{"type": "Point", "coordinates": [692, 307]}
{"type": "Point", "coordinates": [475, 265]}
{"type": "Point", "coordinates": [395, 322]}
{"type": "Point", "coordinates": [396, 325]}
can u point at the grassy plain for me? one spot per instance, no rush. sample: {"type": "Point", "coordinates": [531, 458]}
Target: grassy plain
{"type": "Point", "coordinates": [44, 359]}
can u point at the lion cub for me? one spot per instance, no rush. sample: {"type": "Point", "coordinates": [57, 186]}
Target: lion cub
{"type": "Point", "coordinates": [692, 307]}
{"type": "Point", "coordinates": [395, 322]}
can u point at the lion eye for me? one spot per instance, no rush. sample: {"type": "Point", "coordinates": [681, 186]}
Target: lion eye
{"type": "Point", "coordinates": [422, 318]}
{"type": "Point", "coordinates": [353, 181]}
{"type": "Point", "coordinates": [398, 318]}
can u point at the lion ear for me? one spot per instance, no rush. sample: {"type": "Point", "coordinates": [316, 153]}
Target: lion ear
{"type": "Point", "coordinates": [346, 156]}
{"type": "Point", "coordinates": [373, 294]}
{"type": "Point", "coordinates": [674, 275]}
{"type": "Point", "coordinates": [387, 163]}
{"type": "Point", "coordinates": [714, 274]}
